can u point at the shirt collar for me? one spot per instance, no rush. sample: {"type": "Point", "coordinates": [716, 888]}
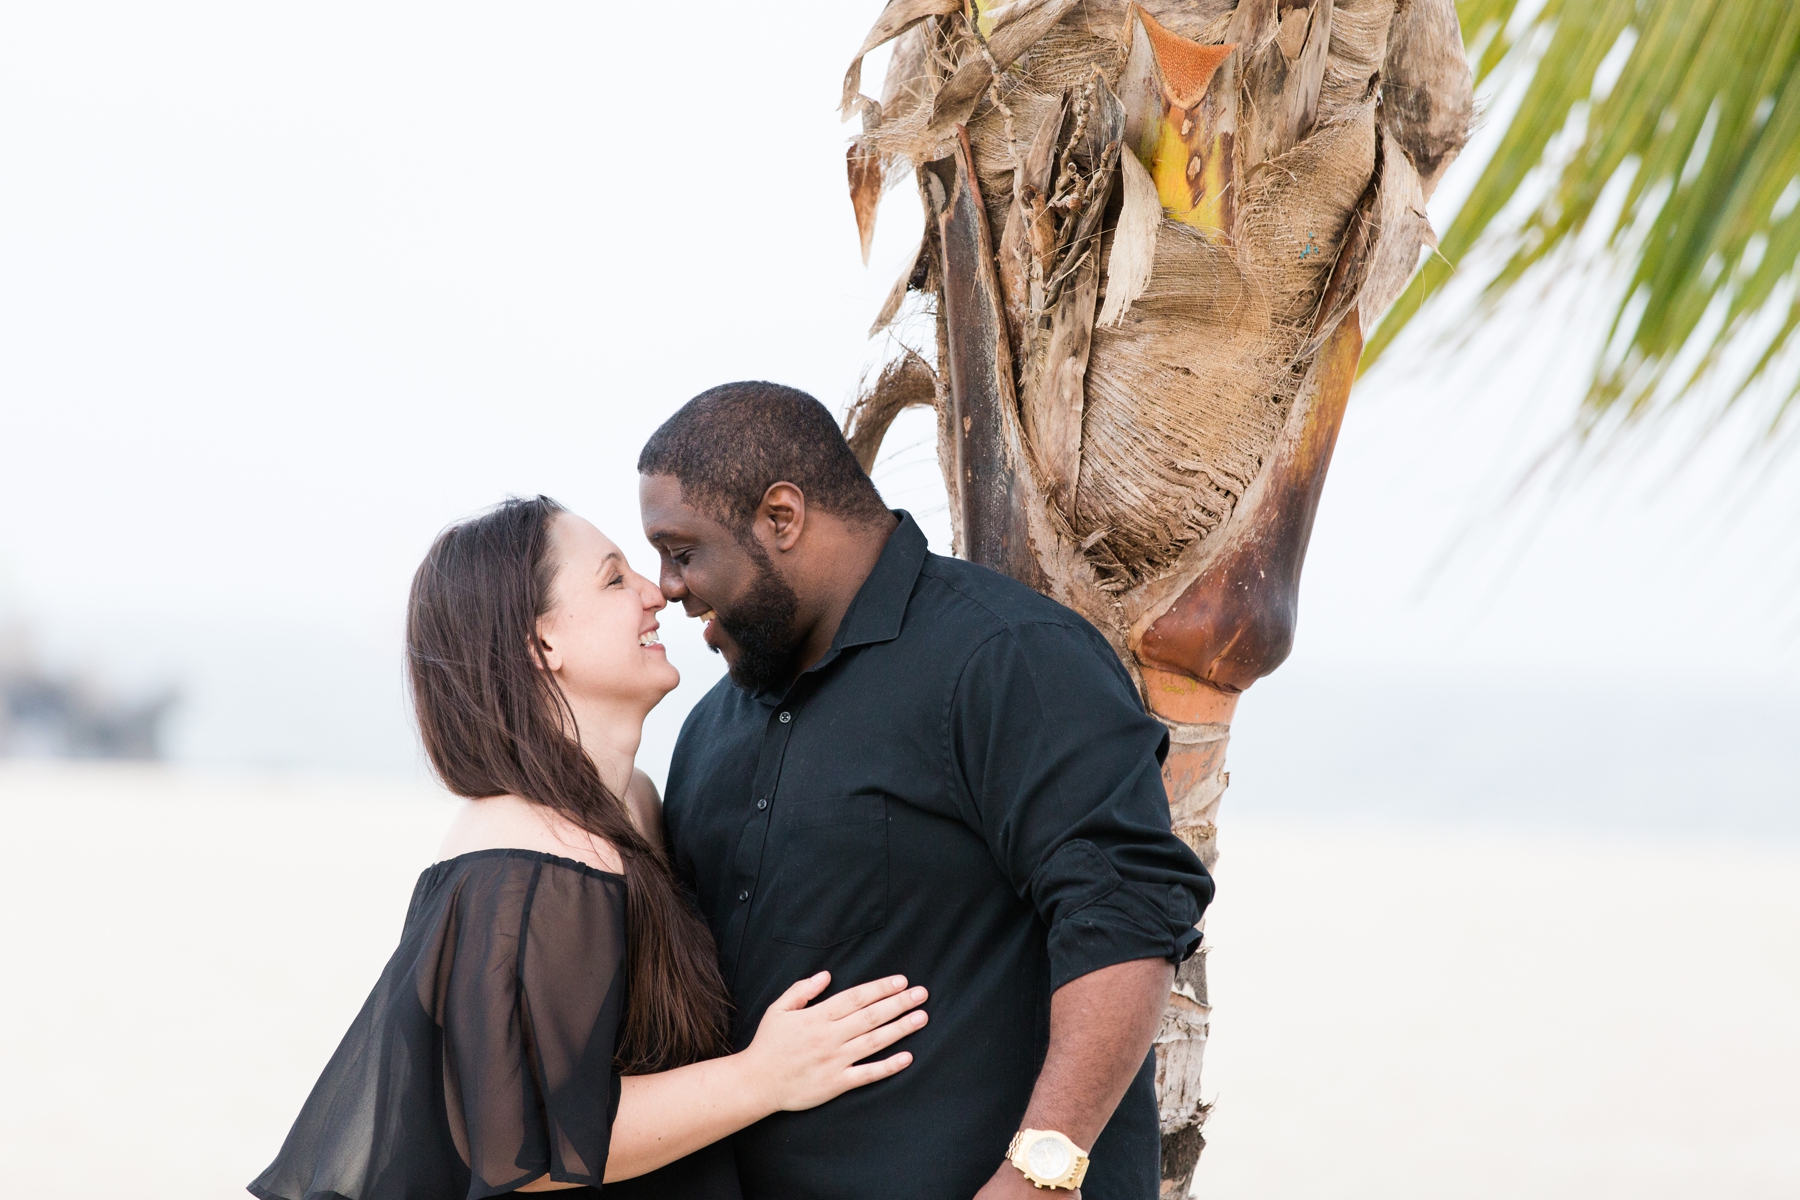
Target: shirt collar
{"type": "Point", "coordinates": [880, 605]}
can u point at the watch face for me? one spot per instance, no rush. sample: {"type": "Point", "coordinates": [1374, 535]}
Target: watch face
{"type": "Point", "coordinates": [1049, 1158]}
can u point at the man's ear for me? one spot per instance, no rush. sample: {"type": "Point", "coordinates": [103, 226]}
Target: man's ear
{"type": "Point", "coordinates": [783, 514]}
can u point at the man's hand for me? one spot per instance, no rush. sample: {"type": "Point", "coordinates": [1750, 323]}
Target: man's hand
{"type": "Point", "coordinates": [1101, 1027]}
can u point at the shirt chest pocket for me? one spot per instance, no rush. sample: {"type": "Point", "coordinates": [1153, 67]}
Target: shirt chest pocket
{"type": "Point", "coordinates": [832, 881]}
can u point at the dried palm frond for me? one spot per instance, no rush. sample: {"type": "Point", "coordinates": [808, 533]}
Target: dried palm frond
{"type": "Point", "coordinates": [905, 382]}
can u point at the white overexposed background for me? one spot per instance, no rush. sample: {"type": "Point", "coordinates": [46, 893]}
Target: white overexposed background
{"type": "Point", "coordinates": [1507, 897]}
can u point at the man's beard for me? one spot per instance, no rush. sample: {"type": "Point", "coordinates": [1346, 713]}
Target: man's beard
{"type": "Point", "coordinates": [762, 625]}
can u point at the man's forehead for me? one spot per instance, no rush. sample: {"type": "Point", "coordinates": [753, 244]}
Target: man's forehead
{"type": "Point", "coordinates": [661, 488]}
{"type": "Point", "coordinates": [666, 510]}
{"type": "Point", "coordinates": [663, 494]}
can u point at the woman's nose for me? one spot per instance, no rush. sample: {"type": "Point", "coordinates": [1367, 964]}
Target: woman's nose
{"type": "Point", "coordinates": [654, 600]}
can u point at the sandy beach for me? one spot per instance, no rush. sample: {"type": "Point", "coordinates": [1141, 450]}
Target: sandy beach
{"type": "Point", "coordinates": [1399, 1012]}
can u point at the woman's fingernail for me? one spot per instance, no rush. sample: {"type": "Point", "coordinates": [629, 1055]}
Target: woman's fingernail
{"type": "Point", "coordinates": [898, 981]}
{"type": "Point", "coordinates": [918, 1018]}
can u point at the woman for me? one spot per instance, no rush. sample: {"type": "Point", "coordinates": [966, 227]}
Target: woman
{"type": "Point", "coordinates": [554, 1017]}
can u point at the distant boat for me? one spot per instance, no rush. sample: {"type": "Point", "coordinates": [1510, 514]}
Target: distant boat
{"type": "Point", "coordinates": [48, 716]}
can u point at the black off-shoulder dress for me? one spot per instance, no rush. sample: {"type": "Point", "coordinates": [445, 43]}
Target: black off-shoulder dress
{"type": "Point", "coordinates": [483, 1059]}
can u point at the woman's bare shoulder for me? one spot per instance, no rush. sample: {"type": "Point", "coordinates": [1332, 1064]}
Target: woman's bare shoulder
{"type": "Point", "coordinates": [645, 804]}
{"type": "Point", "coordinates": [642, 791]}
{"type": "Point", "coordinates": [513, 823]}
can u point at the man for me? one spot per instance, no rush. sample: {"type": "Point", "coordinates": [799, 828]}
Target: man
{"type": "Point", "coordinates": [919, 767]}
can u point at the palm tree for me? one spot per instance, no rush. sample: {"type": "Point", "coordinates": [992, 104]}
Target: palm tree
{"type": "Point", "coordinates": [1161, 237]}
{"type": "Point", "coordinates": [1156, 236]}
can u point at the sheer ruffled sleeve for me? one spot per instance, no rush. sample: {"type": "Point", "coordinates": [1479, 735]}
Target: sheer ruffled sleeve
{"type": "Point", "coordinates": [483, 1059]}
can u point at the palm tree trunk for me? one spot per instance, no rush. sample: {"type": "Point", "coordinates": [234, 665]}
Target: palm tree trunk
{"type": "Point", "coordinates": [1139, 382]}
{"type": "Point", "coordinates": [1235, 622]}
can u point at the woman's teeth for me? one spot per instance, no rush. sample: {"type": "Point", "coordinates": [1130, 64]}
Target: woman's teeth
{"type": "Point", "coordinates": [649, 639]}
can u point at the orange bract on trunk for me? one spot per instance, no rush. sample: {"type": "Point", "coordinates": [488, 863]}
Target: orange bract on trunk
{"type": "Point", "coordinates": [1185, 96]}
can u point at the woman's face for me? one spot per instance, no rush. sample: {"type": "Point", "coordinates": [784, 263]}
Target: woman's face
{"type": "Point", "coordinates": [600, 634]}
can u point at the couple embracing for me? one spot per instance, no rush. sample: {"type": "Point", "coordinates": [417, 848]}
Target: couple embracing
{"type": "Point", "coordinates": [923, 789]}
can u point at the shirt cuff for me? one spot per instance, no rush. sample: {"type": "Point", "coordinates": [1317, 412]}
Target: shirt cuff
{"type": "Point", "coordinates": [1132, 921]}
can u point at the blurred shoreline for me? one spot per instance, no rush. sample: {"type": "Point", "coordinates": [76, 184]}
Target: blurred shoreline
{"type": "Point", "coordinates": [62, 714]}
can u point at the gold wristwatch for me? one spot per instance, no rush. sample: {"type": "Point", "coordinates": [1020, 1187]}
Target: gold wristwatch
{"type": "Point", "coordinates": [1048, 1159]}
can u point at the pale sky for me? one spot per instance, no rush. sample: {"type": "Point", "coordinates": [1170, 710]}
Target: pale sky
{"type": "Point", "coordinates": [286, 288]}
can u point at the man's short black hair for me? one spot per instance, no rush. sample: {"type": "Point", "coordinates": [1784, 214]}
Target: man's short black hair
{"type": "Point", "coordinates": [730, 444]}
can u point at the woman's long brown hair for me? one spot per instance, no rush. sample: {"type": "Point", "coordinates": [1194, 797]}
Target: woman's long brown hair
{"type": "Point", "coordinates": [493, 720]}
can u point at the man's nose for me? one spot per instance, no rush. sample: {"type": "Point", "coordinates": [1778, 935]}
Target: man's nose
{"type": "Point", "coordinates": [672, 587]}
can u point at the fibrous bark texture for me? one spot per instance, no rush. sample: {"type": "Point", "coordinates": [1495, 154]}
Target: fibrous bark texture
{"type": "Point", "coordinates": [1156, 236]}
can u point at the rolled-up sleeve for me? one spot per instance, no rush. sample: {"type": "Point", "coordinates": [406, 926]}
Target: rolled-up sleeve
{"type": "Point", "coordinates": [1061, 767]}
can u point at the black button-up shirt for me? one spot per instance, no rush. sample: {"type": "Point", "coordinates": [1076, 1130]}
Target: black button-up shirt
{"type": "Point", "coordinates": [965, 790]}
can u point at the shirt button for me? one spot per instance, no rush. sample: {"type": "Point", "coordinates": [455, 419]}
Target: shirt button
{"type": "Point", "coordinates": [742, 896]}
{"type": "Point", "coordinates": [763, 803]}
{"type": "Point", "coordinates": [786, 717]}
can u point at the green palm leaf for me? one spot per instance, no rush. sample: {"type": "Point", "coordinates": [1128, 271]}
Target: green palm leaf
{"type": "Point", "coordinates": [1692, 109]}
